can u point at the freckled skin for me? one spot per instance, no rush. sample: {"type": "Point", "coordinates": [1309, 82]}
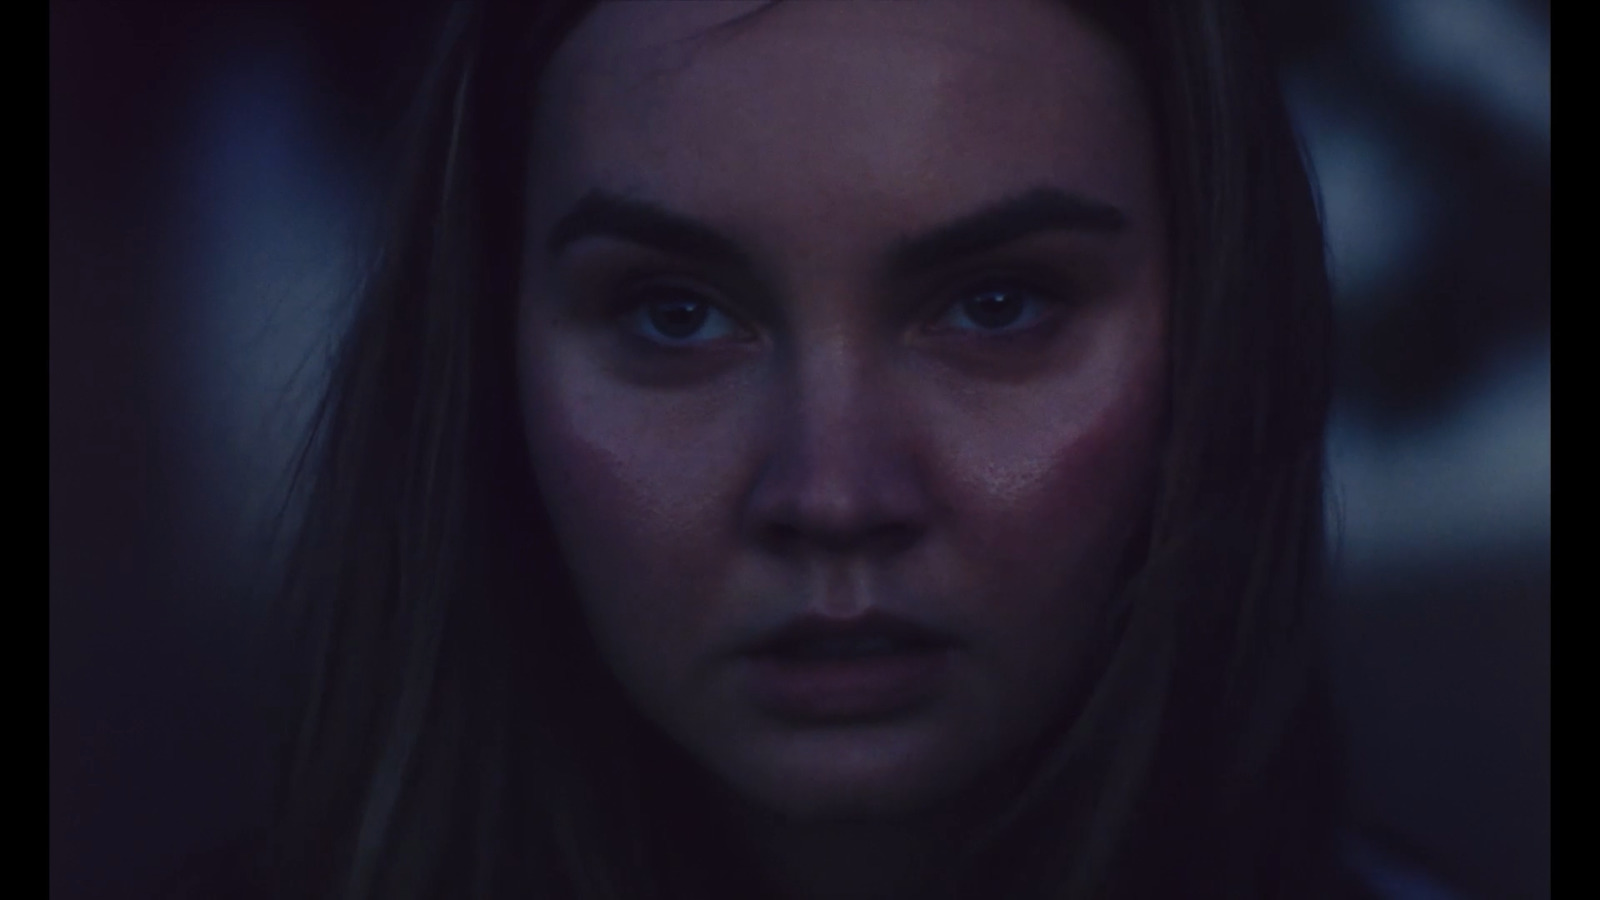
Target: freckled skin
{"type": "Point", "coordinates": [841, 456]}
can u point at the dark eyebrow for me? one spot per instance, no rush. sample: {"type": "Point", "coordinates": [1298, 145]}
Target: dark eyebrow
{"type": "Point", "coordinates": [1038, 210]}
{"type": "Point", "coordinates": [604, 214]}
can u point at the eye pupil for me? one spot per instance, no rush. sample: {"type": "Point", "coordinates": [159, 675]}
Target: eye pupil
{"type": "Point", "coordinates": [993, 309]}
{"type": "Point", "coordinates": [678, 318]}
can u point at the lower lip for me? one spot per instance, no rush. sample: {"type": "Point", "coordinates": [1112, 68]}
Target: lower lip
{"type": "Point", "coordinates": [870, 687]}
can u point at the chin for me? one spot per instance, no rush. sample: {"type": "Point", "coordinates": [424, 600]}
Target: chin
{"type": "Point", "coordinates": [825, 802]}
{"type": "Point", "coordinates": [848, 773]}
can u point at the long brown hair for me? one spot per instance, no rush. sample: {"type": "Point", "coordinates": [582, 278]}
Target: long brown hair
{"type": "Point", "coordinates": [459, 736]}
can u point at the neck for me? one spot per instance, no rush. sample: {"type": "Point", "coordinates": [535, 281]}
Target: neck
{"type": "Point", "coordinates": [881, 859]}
{"type": "Point", "coordinates": [878, 858]}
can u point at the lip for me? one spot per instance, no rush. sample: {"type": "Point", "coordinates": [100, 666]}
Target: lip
{"type": "Point", "coordinates": [852, 689]}
{"type": "Point", "coordinates": [875, 624]}
{"type": "Point", "coordinates": [843, 691]}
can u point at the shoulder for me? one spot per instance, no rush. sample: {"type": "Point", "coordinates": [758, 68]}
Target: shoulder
{"type": "Point", "coordinates": [1362, 866]}
{"type": "Point", "coordinates": [1381, 870]}
{"type": "Point", "coordinates": [232, 868]}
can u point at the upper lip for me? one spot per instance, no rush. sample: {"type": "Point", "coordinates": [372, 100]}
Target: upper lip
{"type": "Point", "coordinates": [875, 624]}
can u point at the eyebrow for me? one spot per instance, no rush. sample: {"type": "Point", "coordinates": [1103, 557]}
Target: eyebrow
{"type": "Point", "coordinates": [1041, 209]}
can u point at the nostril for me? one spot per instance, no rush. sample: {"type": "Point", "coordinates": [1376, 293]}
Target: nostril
{"type": "Point", "coordinates": [892, 540]}
{"type": "Point", "coordinates": [885, 539]}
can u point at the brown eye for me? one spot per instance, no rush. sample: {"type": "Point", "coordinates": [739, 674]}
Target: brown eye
{"type": "Point", "coordinates": [677, 319]}
{"type": "Point", "coordinates": [678, 316]}
{"type": "Point", "coordinates": [996, 309]}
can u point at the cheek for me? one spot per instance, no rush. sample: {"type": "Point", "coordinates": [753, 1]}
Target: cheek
{"type": "Point", "coordinates": [640, 502]}
{"type": "Point", "coordinates": [1069, 498]}
{"type": "Point", "coordinates": [1051, 499]}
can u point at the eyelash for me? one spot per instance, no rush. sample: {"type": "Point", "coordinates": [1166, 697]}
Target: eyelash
{"type": "Point", "coordinates": [633, 308]}
{"type": "Point", "coordinates": [1046, 302]}
{"type": "Point", "coordinates": [634, 305]}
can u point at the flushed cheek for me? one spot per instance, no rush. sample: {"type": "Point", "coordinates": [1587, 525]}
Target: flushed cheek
{"type": "Point", "coordinates": [643, 506]}
{"type": "Point", "coordinates": [1062, 498]}
{"type": "Point", "coordinates": [1047, 515]}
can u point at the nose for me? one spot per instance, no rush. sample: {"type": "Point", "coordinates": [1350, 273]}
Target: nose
{"type": "Point", "coordinates": [842, 474]}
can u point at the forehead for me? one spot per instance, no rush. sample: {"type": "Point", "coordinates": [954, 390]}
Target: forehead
{"type": "Point", "coordinates": [906, 109]}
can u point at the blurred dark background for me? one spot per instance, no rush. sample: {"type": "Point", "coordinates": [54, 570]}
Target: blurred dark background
{"type": "Point", "coordinates": [206, 188]}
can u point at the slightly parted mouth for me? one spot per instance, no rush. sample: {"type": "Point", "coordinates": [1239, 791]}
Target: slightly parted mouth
{"type": "Point", "coordinates": [815, 636]}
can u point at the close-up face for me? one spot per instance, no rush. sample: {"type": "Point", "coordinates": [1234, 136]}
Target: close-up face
{"type": "Point", "coordinates": [842, 348]}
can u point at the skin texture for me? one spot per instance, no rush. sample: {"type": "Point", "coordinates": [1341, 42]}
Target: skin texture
{"type": "Point", "coordinates": [840, 435]}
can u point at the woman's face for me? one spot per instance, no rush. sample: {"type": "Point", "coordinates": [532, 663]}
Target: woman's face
{"type": "Point", "coordinates": [844, 321]}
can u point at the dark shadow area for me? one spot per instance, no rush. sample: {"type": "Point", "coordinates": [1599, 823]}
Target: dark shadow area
{"type": "Point", "coordinates": [206, 175]}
